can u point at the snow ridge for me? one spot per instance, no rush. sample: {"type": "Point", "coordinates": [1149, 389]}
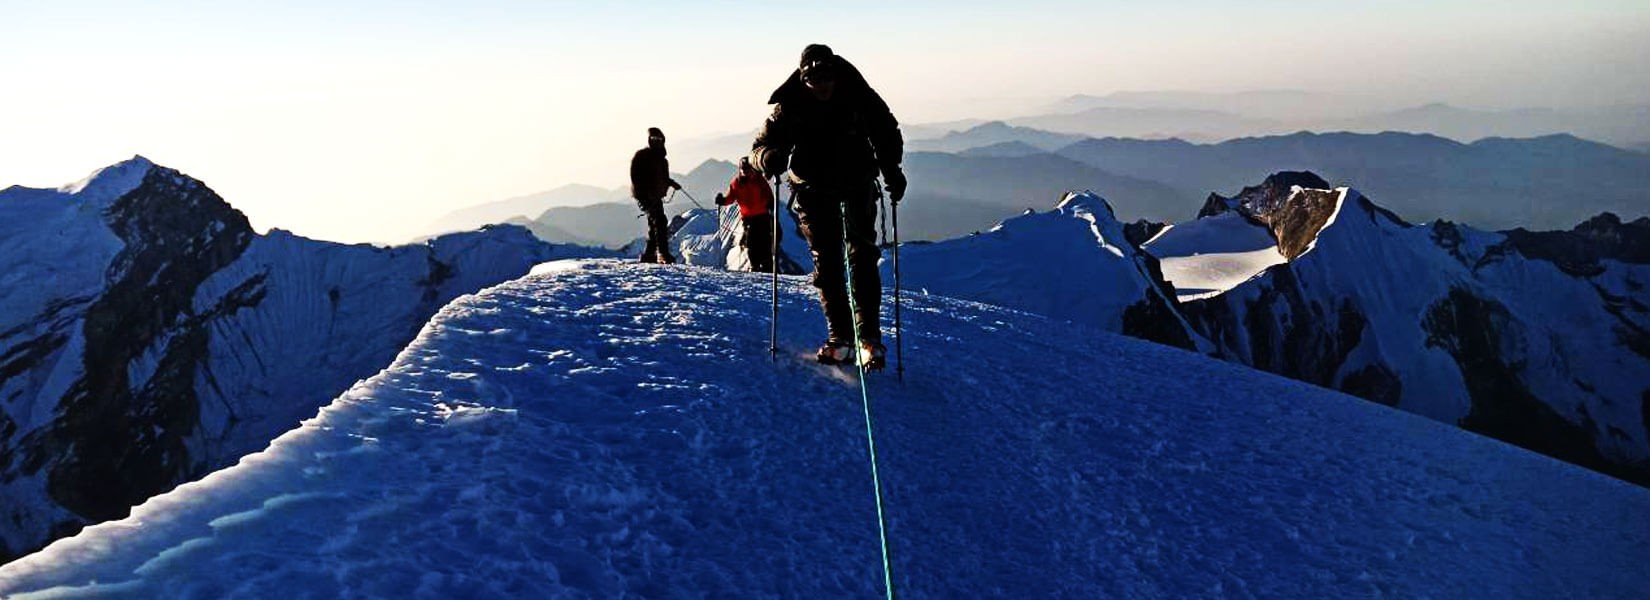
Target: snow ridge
{"type": "Point", "coordinates": [105, 185]}
{"type": "Point", "coordinates": [1070, 263]}
{"type": "Point", "coordinates": [605, 429]}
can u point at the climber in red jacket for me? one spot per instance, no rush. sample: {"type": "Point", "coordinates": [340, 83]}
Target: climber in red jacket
{"type": "Point", "coordinates": [756, 209]}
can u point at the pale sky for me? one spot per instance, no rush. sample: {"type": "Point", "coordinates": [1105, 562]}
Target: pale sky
{"type": "Point", "coordinates": [365, 122]}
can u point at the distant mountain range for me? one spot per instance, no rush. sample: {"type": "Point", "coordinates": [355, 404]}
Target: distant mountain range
{"type": "Point", "coordinates": [1274, 105]}
{"type": "Point", "coordinates": [1216, 117]}
{"type": "Point", "coordinates": [968, 179]}
{"type": "Point", "coordinates": [995, 133]}
{"type": "Point", "coordinates": [587, 215]}
{"type": "Point", "coordinates": [573, 194]}
{"type": "Point", "coordinates": [1544, 183]}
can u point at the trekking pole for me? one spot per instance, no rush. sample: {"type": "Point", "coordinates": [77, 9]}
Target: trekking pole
{"type": "Point", "coordinates": [726, 224]}
{"type": "Point", "coordinates": [773, 267]}
{"type": "Point", "coordinates": [899, 348]}
{"type": "Point", "coordinates": [690, 199]}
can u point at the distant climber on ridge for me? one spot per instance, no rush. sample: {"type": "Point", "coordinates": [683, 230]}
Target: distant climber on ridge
{"type": "Point", "coordinates": [835, 134]}
{"type": "Point", "coordinates": [649, 180]}
{"type": "Point", "coordinates": [755, 200]}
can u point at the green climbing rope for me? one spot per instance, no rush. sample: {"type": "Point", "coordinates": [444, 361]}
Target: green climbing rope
{"type": "Point", "coordinates": [865, 401]}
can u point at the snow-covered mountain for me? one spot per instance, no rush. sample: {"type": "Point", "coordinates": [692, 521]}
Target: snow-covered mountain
{"type": "Point", "coordinates": [1538, 339]}
{"type": "Point", "coordinates": [149, 336]}
{"type": "Point", "coordinates": [1073, 262]}
{"type": "Point", "coordinates": [614, 430]}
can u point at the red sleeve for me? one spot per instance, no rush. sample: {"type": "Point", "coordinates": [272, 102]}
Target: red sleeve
{"type": "Point", "coordinates": [733, 190]}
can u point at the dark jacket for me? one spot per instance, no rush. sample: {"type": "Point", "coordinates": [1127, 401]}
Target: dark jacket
{"type": "Point", "coordinates": [649, 174]}
{"type": "Point", "coordinates": [844, 140]}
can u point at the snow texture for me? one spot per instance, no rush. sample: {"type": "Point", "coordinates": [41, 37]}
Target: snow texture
{"type": "Point", "coordinates": [599, 429]}
{"type": "Point", "coordinates": [1207, 256]}
{"type": "Point", "coordinates": [1069, 263]}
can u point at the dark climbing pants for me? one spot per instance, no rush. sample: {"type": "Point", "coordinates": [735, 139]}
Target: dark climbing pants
{"type": "Point", "coordinates": [820, 212]}
{"type": "Point", "coordinates": [658, 231]}
{"type": "Point", "coordinates": [758, 242]}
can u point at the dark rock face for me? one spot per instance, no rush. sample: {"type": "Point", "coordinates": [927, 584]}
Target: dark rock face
{"type": "Point", "coordinates": [1296, 222]}
{"type": "Point", "coordinates": [1484, 340]}
{"type": "Point", "coordinates": [1644, 409]}
{"type": "Point", "coordinates": [1293, 218]}
{"type": "Point", "coordinates": [1290, 333]}
{"type": "Point", "coordinates": [198, 341]}
{"type": "Point", "coordinates": [1579, 250]}
{"type": "Point", "coordinates": [1374, 382]}
{"type": "Point", "coordinates": [1260, 201]}
{"type": "Point", "coordinates": [1215, 204]}
{"type": "Point", "coordinates": [1157, 317]}
{"type": "Point", "coordinates": [1141, 231]}
{"type": "Point", "coordinates": [118, 442]}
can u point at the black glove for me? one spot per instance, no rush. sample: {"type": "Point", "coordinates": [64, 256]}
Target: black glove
{"type": "Point", "coordinates": [894, 181]}
{"type": "Point", "coordinates": [721, 200]}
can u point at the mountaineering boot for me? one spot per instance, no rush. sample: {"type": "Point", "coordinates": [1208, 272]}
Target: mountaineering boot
{"type": "Point", "coordinates": [873, 356]}
{"type": "Point", "coordinates": [835, 352]}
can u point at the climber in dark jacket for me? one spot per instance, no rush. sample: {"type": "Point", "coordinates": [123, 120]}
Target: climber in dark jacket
{"type": "Point", "coordinates": [835, 135]}
{"type": "Point", "coordinates": [649, 181]}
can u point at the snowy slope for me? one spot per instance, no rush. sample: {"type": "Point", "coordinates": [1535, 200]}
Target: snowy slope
{"type": "Point", "coordinates": [1539, 339]}
{"type": "Point", "coordinates": [149, 336]}
{"type": "Point", "coordinates": [1207, 256]}
{"type": "Point", "coordinates": [607, 430]}
{"type": "Point", "coordinates": [1070, 263]}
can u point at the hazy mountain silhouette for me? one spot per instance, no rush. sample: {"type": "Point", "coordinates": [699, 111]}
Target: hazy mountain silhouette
{"type": "Point", "coordinates": [1280, 105]}
{"type": "Point", "coordinates": [1016, 183]}
{"type": "Point", "coordinates": [1547, 182]}
{"type": "Point", "coordinates": [471, 217]}
{"type": "Point", "coordinates": [1004, 149]}
{"type": "Point", "coordinates": [1215, 117]}
{"type": "Point", "coordinates": [991, 133]}
{"type": "Point", "coordinates": [1196, 124]}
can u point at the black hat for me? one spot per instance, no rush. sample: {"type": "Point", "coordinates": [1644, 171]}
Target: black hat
{"type": "Point", "coordinates": [654, 132]}
{"type": "Point", "coordinates": [816, 52]}
{"type": "Point", "coordinates": [817, 62]}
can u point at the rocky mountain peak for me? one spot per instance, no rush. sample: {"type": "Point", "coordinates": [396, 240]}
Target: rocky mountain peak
{"type": "Point", "coordinates": [107, 184]}
{"type": "Point", "coordinates": [1260, 201]}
